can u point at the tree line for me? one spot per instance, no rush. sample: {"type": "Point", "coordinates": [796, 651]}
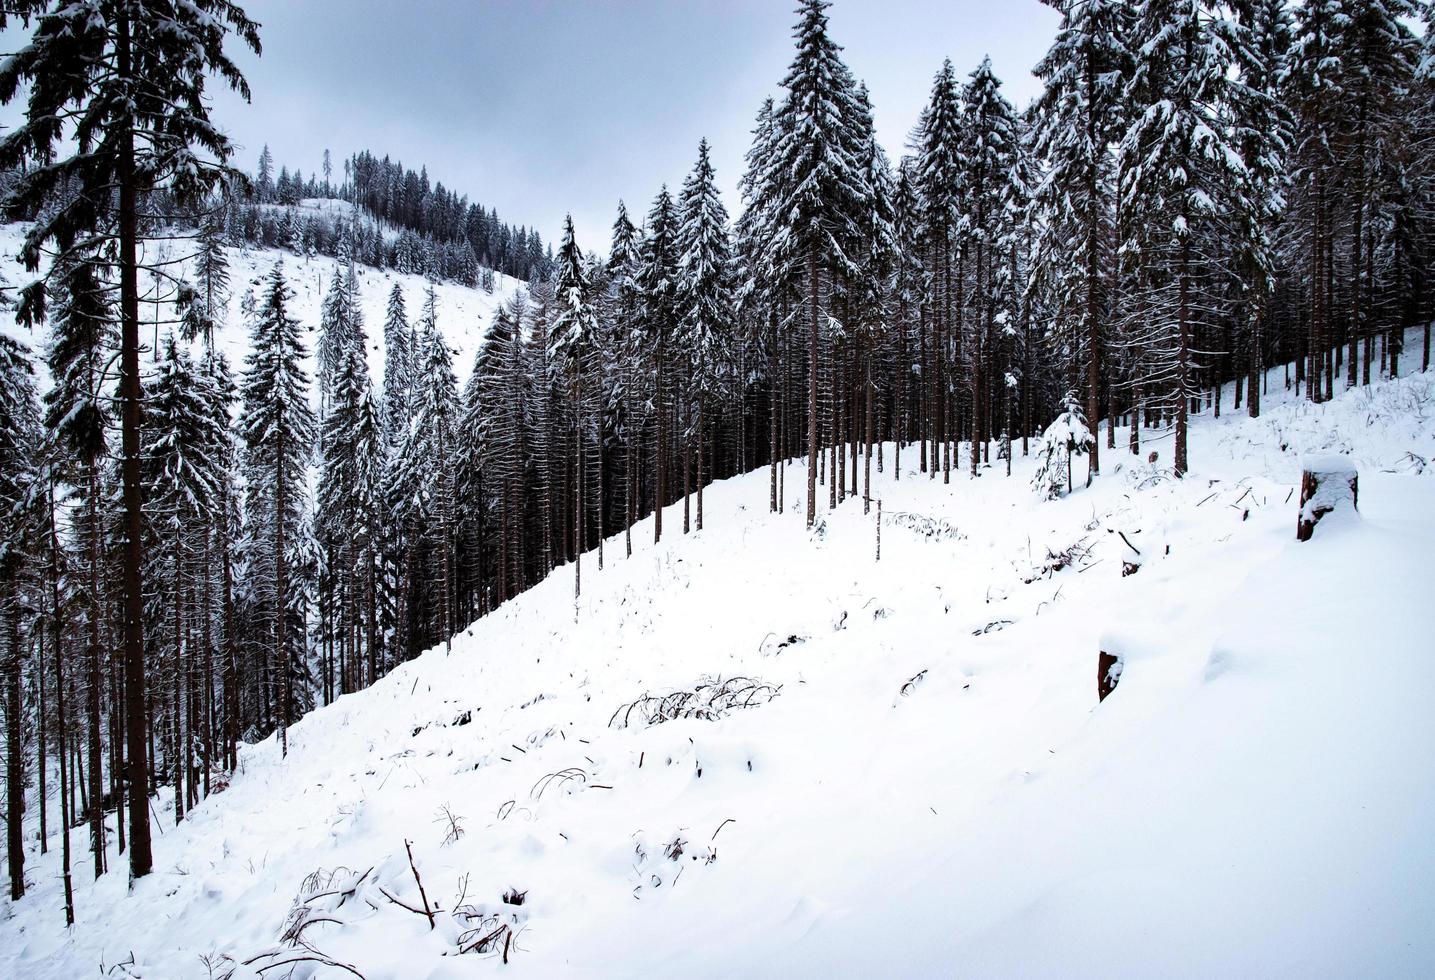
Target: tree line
{"type": "Point", "coordinates": [1201, 193]}
{"type": "Point", "coordinates": [438, 232]}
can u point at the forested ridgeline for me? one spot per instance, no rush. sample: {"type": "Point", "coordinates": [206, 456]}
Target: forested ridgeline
{"type": "Point", "coordinates": [396, 219]}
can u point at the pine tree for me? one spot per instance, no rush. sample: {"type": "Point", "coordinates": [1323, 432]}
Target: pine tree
{"type": "Point", "coordinates": [400, 366]}
{"type": "Point", "coordinates": [211, 291]}
{"type": "Point", "coordinates": [264, 181]}
{"type": "Point", "coordinates": [1262, 125]}
{"type": "Point", "coordinates": [819, 204]}
{"type": "Point", "coordinates": [1079, 116]}
{"type": "Point", "coordinates": [183, 487]}
{"type": "Point", "coordinates": [278, 430]}
{"type": "Point", "coordinates": [1378, 56]}
{"type": "Point", "coordinates": [1315, 85]}
{"type": "Point", "coordinates": [424, 479]}
{"type": "Point", "coordinates": [939, 174]}
{"type": "Point", "coordinates": [988, 166]}
{"type": "Point", "coordinates": [1178, 164]}
{"type": "Point", "coordinates": [348, 515]}
{"type": "Point", "coordinates": [116, 72]}
{"type": "Point", "coordinates": [707, 309]}
{"type": "Point", "coordinates": [83, 340]}
{"type": "Point", "coordinates": [624, 267]}
{"type": "Point", "coordinates": [657, 285]}
{"type": "Point", "coordinates": [572, 342]}
{"type": "Point", "coordinates": [19, 438]}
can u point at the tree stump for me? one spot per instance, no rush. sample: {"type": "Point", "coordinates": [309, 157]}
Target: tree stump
{"type": "Point", "coordinates": [1108, 674]}
{"type": "Point", "coordinates": [1327, 483]}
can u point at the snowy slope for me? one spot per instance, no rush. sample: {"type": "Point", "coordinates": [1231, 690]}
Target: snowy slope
{"type": "Point", "coordinates": [932, 791]}
{"type": "Point", "coordinates": [463, 313]}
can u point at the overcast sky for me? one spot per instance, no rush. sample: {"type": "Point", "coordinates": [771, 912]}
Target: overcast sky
{"type": "Point", "coordinates": [547, 106]}
{"type": "Point", "coordinates": [568, 105]}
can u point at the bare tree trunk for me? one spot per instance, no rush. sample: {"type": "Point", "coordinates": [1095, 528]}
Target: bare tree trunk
{"type": "Point", "coordinates": [56, 647]}
{"type": "Point", "coordinates": [14, 744]}
{"type": "Point", "coordinates": [136, 710]}
{"type": "Point", "coordinates": [814, 326]}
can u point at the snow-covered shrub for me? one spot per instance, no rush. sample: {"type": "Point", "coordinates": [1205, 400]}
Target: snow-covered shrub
{"type": "Point", "coordinates": [929, 528]}
{"type": "Point", "coordinates": [709, 700]}
{"type": "Point", "coordinates": [1068, 436]}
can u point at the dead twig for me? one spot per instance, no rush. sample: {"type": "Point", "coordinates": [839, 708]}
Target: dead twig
{"type": "Point", "coordinates": [427, 911]}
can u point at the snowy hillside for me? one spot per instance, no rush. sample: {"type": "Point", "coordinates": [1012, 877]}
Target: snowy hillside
{"type": "Point", "coordinates": [463, 312]}
{"type": "Point", "coordinates": [893, 767]}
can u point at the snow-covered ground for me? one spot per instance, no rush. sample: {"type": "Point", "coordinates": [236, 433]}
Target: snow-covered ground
{"type": "Point", "coordinates": [910, 775]}
{"type": "Point", "coordinates": [463, 313]}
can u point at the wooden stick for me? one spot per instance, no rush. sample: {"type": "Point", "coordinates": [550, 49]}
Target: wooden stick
{"type": "Point", "coordinates": [427, 911]}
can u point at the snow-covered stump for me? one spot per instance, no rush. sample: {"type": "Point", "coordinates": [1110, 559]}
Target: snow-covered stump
{"type": "Point", "coordinates": [1108, 674]}
{"type": "Point", "coordinates": [1327, 483]}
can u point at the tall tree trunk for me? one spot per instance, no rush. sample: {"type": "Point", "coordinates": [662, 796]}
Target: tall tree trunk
{"type": "Point", "coordinates": [57, 650]}
{"type": "Point", "coordinates": [812, 343]}
{"type": "Point", "coordinates": [1183, 357]}
{"type": "Point", "coordinates": [136, 709]}
{"type": "Point", "coordinates": [660, 462]}
{"type": "Point", "coordinates": [92, 696]}
{"type": "Point", "coordinates": [14, 744]}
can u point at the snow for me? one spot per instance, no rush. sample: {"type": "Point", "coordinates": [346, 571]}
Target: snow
{"type": "Point", "coordinates": [463, 312]}
{"type": "Point", "coordinates": [924, 785]}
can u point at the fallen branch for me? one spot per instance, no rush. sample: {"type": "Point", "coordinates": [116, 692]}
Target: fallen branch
{"type": "Point", "coordinates": [427, 911]}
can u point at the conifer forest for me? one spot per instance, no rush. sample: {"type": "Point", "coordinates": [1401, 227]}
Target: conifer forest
{"type": "Point", "coordinates": [788, 516]}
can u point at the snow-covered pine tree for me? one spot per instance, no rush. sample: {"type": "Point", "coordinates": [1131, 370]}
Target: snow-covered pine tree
{"type": "Point", "coordinates": [657, 286]}
{"type": "Point", "coordinates": [818, 206]}
{"type": "Point", "coordinates": [909, 290]}
{"type": "Point", "coordinates": [707, 313]}
{"type": "Point", "coordinates": [278, 426]}
{"type": "Point", "coordinates": [348, 516]}
{"type": "Point", "coordinates": [220, 393]}
{"type": "Point", "coordinates": [264, 177]}
{"type": "Point", "coordinates": [426, 472]}
{"type": "Point", "coordinates": [1378, 54]}
{"type": "Point", "coordinates": [988, 165]}
{"type": "Point", "coordinates": [624, 265]}
{"type": "Point", "coordinates": [19, 445]}
{"type": "Point", "coordinates": [83, 340]}
{"type": "Point", "coordinates": [938, 178]}
{"type": "Point", "coordinates": [211, 285]}
{"type": "Point", "coordinates": [1079, 115]}
{"type": "Point", "coordinates": [1178, 169]}
{"type": "Point", "coordinates": [1260, 32]}
{"type": "Point", "coordinates": [115, 72]}
{"type": "Point", "coordinates": [400, 366]}
{"type": "Point", "coordinates": [572, 344]}
{"type": "Point", "coordinates": [1314, 82]}
{"type": "Point", "coordinates": [184, 482]}
{"type": "Point", "coordinates": [869, 298]}
{"type": "Point", "coordinates": [1067, 436]}
{"type": "Point", "coordinates": [765, 290]}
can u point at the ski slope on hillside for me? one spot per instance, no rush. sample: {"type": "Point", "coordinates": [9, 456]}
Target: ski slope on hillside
{"type": "Point", "coordinates": [463, 313]}
{"type": "Point", "coordinates": [904, 771]}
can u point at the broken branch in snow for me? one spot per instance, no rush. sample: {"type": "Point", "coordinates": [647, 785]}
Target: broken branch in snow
{"type": "Point", "coordinates": [427, 911]}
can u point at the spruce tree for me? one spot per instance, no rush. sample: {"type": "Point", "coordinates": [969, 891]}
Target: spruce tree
{"type": "Point", "coordinates": [278, 428]}
{"type": "Point", "coordinates": [1079, 115]}
{"type": "Point", "coordinates": [19, 441]}
{"type": "Point", "coordinates": [1179, 165]}
{"type": "Point", "coordinates": [121, 88]}
{"type": "Point", "coordinates": [657, 285]}
{"type": "Point", "coordinates": [707, 309]}
{"type": "Point", "coordinates": [818, 207]}
{"type": "Point", "coordinates": [83, 340]}
{"type": "Point", "coordinates": [572, 346]}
